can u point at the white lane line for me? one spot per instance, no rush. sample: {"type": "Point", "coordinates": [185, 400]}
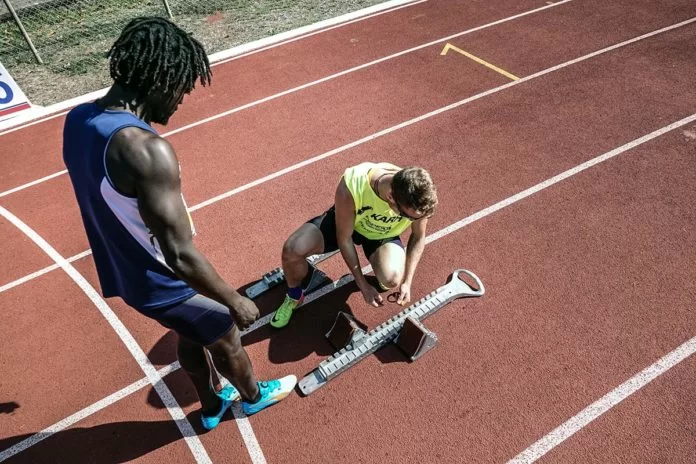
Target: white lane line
{"type": "Point", "coordinates": [126, 337]}
{"type": "Point", "coordinates": [604, 404]}
{"type": "Point", "coordinates": [225, 57]}
{"type": "Point", "coordinates": [32, 183]}
{"type": "Point", "coordinates": [426, 116]}
{"type": "Point", "coordinates": [346, 279]}
{"type": "Point", "coordinates": [42, 114]}
{"type": "Point", "coordinates": [558, 178]}
{"type": "Point", "coordinates": [41, 272]}
{"type": "Point", "coordinates": [678, 355]}
{"type": "Point", "coordinates": [248, 434]}
{"type": "Point", "coordinates": [82, 414]}
{"type": "Point", "coordinates": [307, 85]}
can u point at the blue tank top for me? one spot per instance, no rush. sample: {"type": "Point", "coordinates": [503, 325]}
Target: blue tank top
{"type": "Point", "coordinates": [127, 256]}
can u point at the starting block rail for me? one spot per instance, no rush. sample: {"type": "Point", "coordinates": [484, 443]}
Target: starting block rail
{"type": "Point", "coordinates": [363, 344]}
{"type": "Point", "coordinates": [277, 276]}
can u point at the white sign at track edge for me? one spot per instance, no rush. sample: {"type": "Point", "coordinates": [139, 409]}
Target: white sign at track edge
{"type": "Point", "coordinates": [12, 100]}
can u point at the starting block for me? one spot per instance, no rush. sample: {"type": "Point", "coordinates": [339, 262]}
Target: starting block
{"type": "Point", "coordinates": [276, 277]}
{"type": "Point", "coordinates": [414, 339]}
{"type": "Point", "coordinates": [404, 329]}
{"type": "Point", "coordinates": [345, 331]}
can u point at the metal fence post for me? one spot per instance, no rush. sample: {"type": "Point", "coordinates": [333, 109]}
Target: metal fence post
{"type": "Point", "coordinates": [24, 32]}
{"type": "Point", "coordinates": [169, 10]}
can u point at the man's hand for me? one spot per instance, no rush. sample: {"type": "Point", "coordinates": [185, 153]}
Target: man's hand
{"type": "Point", "coordinates": [404, 294]}
{"type": "Point", "coordinates": [345, 218]}
{"type": "Point", "coordinates": [371, 295]}
{"type": "Point", "coordinates": [244, 312]}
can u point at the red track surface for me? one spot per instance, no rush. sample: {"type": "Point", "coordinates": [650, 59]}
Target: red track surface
{"type": "Point", "coordinates": [588, 281]}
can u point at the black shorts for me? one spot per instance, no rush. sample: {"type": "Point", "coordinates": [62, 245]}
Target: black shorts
{"type": "Point", "coordinates": [327, 225]}
{"type": "Point", "coordinates": [198, 319]}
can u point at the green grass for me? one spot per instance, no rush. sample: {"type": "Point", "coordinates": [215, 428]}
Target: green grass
{"type": "Point", "coordinates": [72, 36]}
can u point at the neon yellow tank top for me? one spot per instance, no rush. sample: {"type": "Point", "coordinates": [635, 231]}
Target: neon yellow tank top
{"type": "Point", "coordinates": [374, 218]}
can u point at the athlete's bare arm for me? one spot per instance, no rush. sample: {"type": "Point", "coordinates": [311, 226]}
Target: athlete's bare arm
{"type": "Point", "coordinates": [345, 219]}
{"type": "Point", "coordinates": [144, 165]}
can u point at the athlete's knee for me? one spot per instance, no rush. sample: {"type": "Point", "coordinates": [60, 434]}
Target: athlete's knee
{"type": "Point", "coordinates": [389, 267]}
{"type": "Point", "coordinates": [291, 250]}
{"type": "Point", "coordinates": [389, 276]}
{"type": "Point", "coordinates": [229, 344]}
{"type": "Point", "coordinates": [298, 246]}
{"type": "Point", "coordinates": [392, 278]}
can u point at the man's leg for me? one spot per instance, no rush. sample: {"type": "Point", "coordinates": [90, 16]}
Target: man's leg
{"type": "Point", "coordinates": [215, 376]}
{"type": "Point", "coordinates": [304, 242]}
{"type": "Point", "coordinates": [204, 324]}
{"type": "Point", "coordinates": [389, 264]}
{"type": "Point", "coordinates": [231, 359]}
{"type": "Point", "coordinates": [314, 237]}
{"type": "Point", "coordinates": [193, 361]}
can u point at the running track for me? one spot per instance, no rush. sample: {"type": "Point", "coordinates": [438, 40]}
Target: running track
{"type": "Point", "coordinates": [568, 191]}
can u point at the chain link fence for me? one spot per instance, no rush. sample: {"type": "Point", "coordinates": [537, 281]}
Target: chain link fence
{"type": "Point", "coordinates": [71, 37]}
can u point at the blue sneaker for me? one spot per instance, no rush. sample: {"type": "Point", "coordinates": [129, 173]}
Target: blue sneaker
{"type": "Point", "coordinates": [272, 391]}
{"type": "Point", "coordinates": [227, 396]}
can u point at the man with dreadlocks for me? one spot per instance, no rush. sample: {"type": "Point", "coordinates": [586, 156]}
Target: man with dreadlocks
{"type": "Point", "coordinates": [126, 181]}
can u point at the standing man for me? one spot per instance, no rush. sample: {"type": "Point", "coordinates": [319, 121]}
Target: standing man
{"type": "Point", "coordinates": [374, 204]}
{"type": "Point", "coordinates": [126, 181]}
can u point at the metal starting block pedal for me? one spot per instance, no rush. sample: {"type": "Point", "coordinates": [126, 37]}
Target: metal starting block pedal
{"type": "Point", "coordinates": [414, 339]}
{"type": "Point", "coordinates": [345, 331]}
{"type": "Point", "coordinates": [276, 276]}
{"type": "Point", "coordinates": [404, 328]}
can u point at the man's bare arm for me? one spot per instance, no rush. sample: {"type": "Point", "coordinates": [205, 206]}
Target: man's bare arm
{"type": "Point", "coordinates": [345, 219]}
{"type": "Point", "coordinates": [155, 172]}
{"type": "Point", "coordinates": [414, 248]}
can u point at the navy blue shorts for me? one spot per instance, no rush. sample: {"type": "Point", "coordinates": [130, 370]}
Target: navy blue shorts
{"type": "Point", "coordinates": [326, 223]}
{"type": "Point", "coordinates": [199, 319]}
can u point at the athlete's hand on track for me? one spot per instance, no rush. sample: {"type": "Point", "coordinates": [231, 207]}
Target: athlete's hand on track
{"type": "Point", "coordinates": [244, 312]}
{"type": "Point", "coordinates": [404, 294]}
{"type": "Point", "coordinates": [371, 295]}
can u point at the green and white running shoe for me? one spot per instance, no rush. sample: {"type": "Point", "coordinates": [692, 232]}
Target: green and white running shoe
{"type": "Point", "coordinates": [284, 312]}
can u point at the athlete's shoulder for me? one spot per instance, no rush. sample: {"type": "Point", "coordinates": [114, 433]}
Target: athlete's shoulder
{"type": "Point", "coordinates": [83, 108]}
{"type": "Point", "coordinates": [366, 167]}
{"type": "Point", "coordinates": [358, 170]}
{"type": "Point", "coordinates": [388, 166]}
{"type": "Point", "coordinates": [81, 113]}
{"type": "Point", "coordinates": [145, 154]}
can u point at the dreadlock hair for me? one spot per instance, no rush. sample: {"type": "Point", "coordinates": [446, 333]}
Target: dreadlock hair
{"type": "Point", "coordinates": [412, 186]}
{"type": "Point", "coordinates": [154, 54]}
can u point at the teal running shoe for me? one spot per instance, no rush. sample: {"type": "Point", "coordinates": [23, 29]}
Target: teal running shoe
{"type": "Point", "coordinates": [227, 396]}
{"type": "Point", "coordinates": [272, 391]}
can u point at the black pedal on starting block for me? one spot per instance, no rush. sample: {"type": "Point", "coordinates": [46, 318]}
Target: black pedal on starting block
{"type": "Point", "coordinates": [345, 331]}
{"type": "Point", "coordinates": [276, 276]}
{"type": "Point", "coordinates": [414, 339]}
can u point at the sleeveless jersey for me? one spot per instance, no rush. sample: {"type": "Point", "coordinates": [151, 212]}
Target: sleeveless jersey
{"type": "Point", "coordinates": [127, 256]}
{"type": "Point", "coordinates": [374, 218]}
